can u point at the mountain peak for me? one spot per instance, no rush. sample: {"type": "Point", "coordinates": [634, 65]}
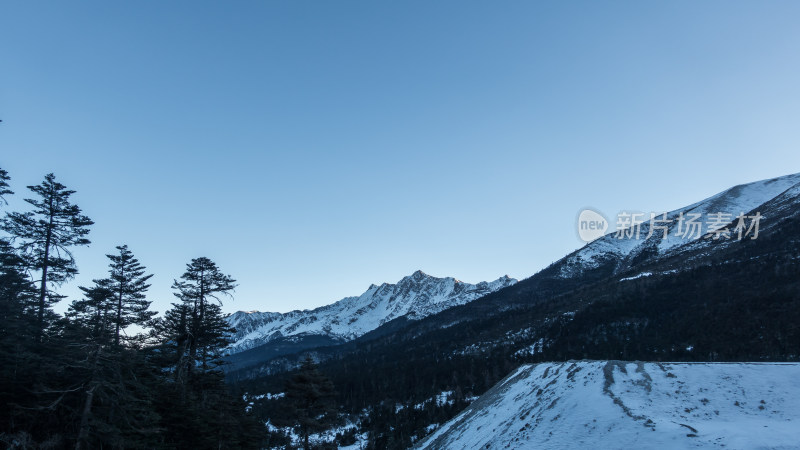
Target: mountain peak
{"type": "Point", "coordinates": [415, 296]}
{"type": "Point", "coordinates": [418, 275]}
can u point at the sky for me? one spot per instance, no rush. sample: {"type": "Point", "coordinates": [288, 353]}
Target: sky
{"type": "Point", "coordinates": [311, 148]}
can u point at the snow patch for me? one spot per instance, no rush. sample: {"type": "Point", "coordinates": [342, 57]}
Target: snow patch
{"type": "Point", "coordinates": [615, 404]}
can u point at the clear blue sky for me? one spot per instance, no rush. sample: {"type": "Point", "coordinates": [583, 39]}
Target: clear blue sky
{"type": "Point", "coordinates": [311, 148]}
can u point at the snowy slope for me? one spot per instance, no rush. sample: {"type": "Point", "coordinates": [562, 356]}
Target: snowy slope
{"type": "Point", "coordinates": [621, 252]}
{"type": "Point", "coordinates": [415, 296]}
{"type": "Point", "coordinates": [622, 405]}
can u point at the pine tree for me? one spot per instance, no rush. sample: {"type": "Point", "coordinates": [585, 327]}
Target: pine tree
{"type": "Point", "coordinates": [16, 325]}
{"type": "Point", "coordinates": [128, 283]}
{"type": "Point", "coordinates": [15, 289]}
{"type": "Point", "coordinates": [116, 406]}
{"type": "Point", "coordinates": [4, 187]}
{"type": "Point", "coordinates": [197, 408]}
{"type": "Point", "coordinates": [95, 311]}
{"type": "Point", "coordinates": [310, 395]}
{"type": "Point", "coordinates": [207, 332]}
{"type": "Point", "coordinates": [16, 297]}
{"type": "Point", "coordinates": [170, 336]}
{"type": "Point", "coordinates": [46, 235]}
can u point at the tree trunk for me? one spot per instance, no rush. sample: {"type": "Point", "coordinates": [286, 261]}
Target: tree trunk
{"type": "Point", "coordinates": [45, 261]}
{"type": "Point", "coordinates": [119, 305]}
{"type": "Point", "coordinates": [83, 435]}
{"type": "Point", "coordinates": [182, 338]}
{"type": "Point", "coordinates": [43, 289]}
{"type": "Point", "coordinates": [192, 334]}
{"type": "Point", "coordinates": [197, 321]}
{"type": "Point", "coordinates": [201, 329]}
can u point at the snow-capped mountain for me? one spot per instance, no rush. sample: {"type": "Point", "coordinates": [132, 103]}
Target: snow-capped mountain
{"type": "Point", "coordinates": [615, 404]}
{"type": "Point", "coordinates": [628, 250]}
{"type": "Point", "coordinates": [415, 296]}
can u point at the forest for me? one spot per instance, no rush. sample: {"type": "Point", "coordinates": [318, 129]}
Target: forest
{"type": "Point", "coordinates": [78, 380]}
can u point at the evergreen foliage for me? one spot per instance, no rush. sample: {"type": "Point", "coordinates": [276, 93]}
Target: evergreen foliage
{"type": "Point", "coordinates": [45, 235]}
{"type": "Point", "coordinates": [4, 186]}
{"type": "Point", "coordinates": [128, 284]}
{"type": "Point", "coordinates": [72, 381]}
{"type": "Point", "coordinates": [310, 396]}
{"type": "Point", "coordinates": [200, 328]}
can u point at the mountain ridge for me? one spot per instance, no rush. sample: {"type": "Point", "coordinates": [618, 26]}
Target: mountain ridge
{"type": "Point", "coordinates": [414, 296]}
{"type": "Point", "coordinates": [742, 198]}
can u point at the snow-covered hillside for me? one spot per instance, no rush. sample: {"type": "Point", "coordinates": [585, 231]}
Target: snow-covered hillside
{"type": "Point", "coordinates": [622, 405]}
{"type": "Point", "coordinates": [623, 252]}
{"type": "Point", "coordinates": [415, 296]}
